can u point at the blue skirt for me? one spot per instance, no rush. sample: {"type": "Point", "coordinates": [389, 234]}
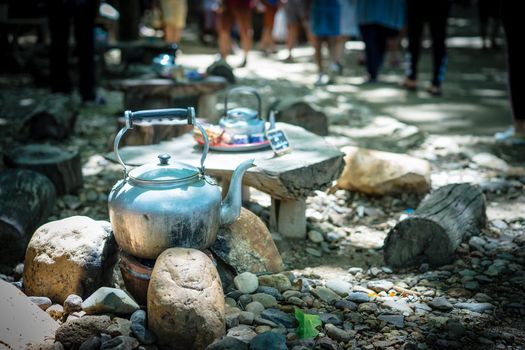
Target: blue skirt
{"type": "Point", "coordinates": [325, 17]}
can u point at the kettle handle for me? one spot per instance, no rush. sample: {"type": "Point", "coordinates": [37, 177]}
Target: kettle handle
{"type": "Point", "coordinates": [243, 90]}
{"type": "Point", "coordinates": [183, 114]}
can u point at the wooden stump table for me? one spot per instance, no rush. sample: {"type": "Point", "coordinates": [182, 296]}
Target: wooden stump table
{"type": "Point", "coordinates": [147, 93]}
{"type": "Point", "coordinates": [312, 165]}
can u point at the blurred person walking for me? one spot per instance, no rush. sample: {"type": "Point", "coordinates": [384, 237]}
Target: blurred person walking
{"type": "Point", "coordinates": [297, 16]}
{"type": "Point", "coordinates": [435, 12]}
{"type": "Point", "coordinates": [62, 14]}
{"type": "Point", "coordinates": [325, 22]}
{"type": "Point", "coordinates": [348, 29]}
{"type": "Point", "coordinates": [378, 21]}
{"type": "Point", "coordinates": [239, 12]}
{"type": "Point", "coordinates": [174, 14]}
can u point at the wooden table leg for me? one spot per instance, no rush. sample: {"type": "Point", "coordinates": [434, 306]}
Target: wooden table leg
{"type": "Point", "coordinates": [206, 107]}
{"type": "Point", "coordinates": [288, 217]}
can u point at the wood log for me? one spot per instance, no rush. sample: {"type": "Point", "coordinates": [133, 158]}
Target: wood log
{"type": "Point", "coordinates": [31, 114]}
{"type": "Point", "coordinates": [442, 221]}
{"type": "Point", "coordinates": [53, 117]}
{"type": "Point", "coordinates": [147, 132]}
{"type": "Point", "coordinates": [62, 167]}
{"type": "Point", "coordinates": [26, 200]}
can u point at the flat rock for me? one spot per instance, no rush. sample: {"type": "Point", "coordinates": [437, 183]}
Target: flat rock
{"type": "Point", "coordinates": [41, 302]}
{"type": "Point", "coordinates": [23, 323]}
{"type": "Point", "coordinates": [325, 294]}
{"type": "Point", "coordinates": [396, 320]}
{"type": "Point", "coordinates": [69, 256]}
{"type": "Point", "coordinates": [268, 340]}
{"type": "Point", "coordinates": [475, 307]}
{"type": "Point", "coordinates": [228, 343]}
{"type": "Point", "coordinates": [265, 299]}
{"type": "Point", "coordinates": [121, 342]}
{"type": "Point", "coordinates": [242, 332]}
{"type": "Point", "coordinates": [73, 333]}
{"type": "Point", "coordinates": [398, 305]}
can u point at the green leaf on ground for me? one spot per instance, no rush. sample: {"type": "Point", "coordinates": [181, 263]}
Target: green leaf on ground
{"type": "Point", "coordinates": [307, 324]}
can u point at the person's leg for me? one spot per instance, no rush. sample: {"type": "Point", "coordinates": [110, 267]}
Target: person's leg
{"type": "Point", "coordinates": [267, 44]}
{"type": "Point", "coordinates": [224, 26]}
{"type": "Point", "coordinates": [369, 32]}
{"type": "Point", "coordinates": [415, 23]}
{"type": "Point", "coordinates": [243, 17]}
{"type": "Point", "coordinates": [438, 30]}
{"type": "Point", "coordinates": [511, 20]}
{"type": "Point", "coordinates": [59, 24]}
{"type": "Point", "coordinates": [318, 54]}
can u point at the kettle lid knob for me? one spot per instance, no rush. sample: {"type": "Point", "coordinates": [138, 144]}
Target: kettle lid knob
{"type": "Point", "coordinates": [164, 158]}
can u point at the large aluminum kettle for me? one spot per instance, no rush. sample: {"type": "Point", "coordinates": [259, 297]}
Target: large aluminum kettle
{"type": "Point", "coordinates": [166, 203]}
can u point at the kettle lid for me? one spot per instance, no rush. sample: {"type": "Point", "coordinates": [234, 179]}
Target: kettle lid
{"type": "Point", "coordinates": [242, 112]}
{"type": "Point", "coordinates": [164, 172]}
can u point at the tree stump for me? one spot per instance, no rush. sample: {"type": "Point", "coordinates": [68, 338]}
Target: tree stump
{"type": "Point", "coordinates": [440, 223]}
{"type": "Point", "coordinates": [148, 132]}
{"type": "Point", "coordinates": [62, 167]}
{"type": "Point", "coordinates": [26, 200]}
{"type": "Point", "coordinates": [54, 117]}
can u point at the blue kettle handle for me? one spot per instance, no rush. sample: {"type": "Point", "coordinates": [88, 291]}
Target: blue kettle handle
{"type": "Point", "coordinates": [243, 90]}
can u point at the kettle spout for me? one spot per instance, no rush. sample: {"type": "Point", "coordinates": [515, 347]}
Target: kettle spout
{"type": "Point", "coordinates": [231, 206]}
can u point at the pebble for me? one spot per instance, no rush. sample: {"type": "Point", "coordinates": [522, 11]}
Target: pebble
{"type": "Point", "coordinates": [279, 317]}
{"type": "Point", "coordinates": [358, 297]}
{"type": "Point", "coordinates": [398, 305]}
{"type": "Point", "coordinates": [337, 333]}
{"type": "Point", "coordinates": [242, 332]}
{"type": "Point", "coordinates": [314, 252]}
{"type": "Point", "coordinates": [271, 291]}
{"type": "Point", "coordinates": [255, 308]}
{"type": "Point", "coordinates": [441, 303]}
{"type": "Point", "coordinates": [121, 342]}
{"type": "Point", "coordinates": [56, 311]}
{"type": "Point", "coordinates": [315, 236]}
{"type": "Point", "coordinates": [265, 299]}
{"type": "Point", "coordinates": [396, 320]}
{"type": "Point", "coordinates": [325, 294]}
{"type": "Point", "coordinates": [355, 270]}
{"type": "Point", "coordinates": [42, 302]}
{"type": "Point", "coordinates": [345, 305]}
{"type": "Point", "coordinates": [278, 281]}
{"type": "Point", "coordinates": [367, 307]}
{"type": "Point", "coordinates": [380, 285]}
{"type": "Point", "coordinates": [72, 304]}
{"type": "Point", "coordinates": [246, 317]}
{"type": "Point", "coordinates": [139, 328]}
{"type": "Point", "coordinates": [340, 287]}
{"type": "Point", "coordinates": [246, 282]}
{"type": "Point", "coordinates": [228, 343]}
{"type": "Point", "coordinates": [475, 307]}
{"type": "Point", "coordinates": [267, 341]}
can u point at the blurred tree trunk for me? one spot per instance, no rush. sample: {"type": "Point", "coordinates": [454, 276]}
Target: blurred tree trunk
{"type": "Point", "coordinates": [129, 19]}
